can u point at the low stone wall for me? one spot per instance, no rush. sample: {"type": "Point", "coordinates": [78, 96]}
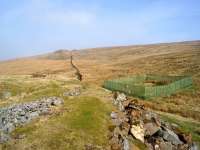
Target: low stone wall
{"type": "Point", "coordinates": [20, 114]}
{"type": "Point", "coordinates": [134, 121]}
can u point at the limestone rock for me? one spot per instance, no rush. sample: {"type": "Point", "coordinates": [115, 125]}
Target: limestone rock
{"type": "Point", "coordinates": [121, 107]}
{"type": "Point", "coordinates": [20, 114]}
{"type": "Point", "coordinates": [138, 132]}
{"type": "Point", "coordinates": [113, 115]}
{"type": "Point", "coordinates": [121, 97]}
{"type": "Point", "coordinates": [133, 120]}
{"type": "Point", "coordinates": [126, 144]}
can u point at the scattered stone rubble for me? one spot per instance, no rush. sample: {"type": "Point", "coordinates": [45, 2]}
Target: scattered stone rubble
{"type": "Point", "coordinates": [74, 92]}
{"type": "Point", "coordinates": [20, 114]}
{"type": "Point", "coordinates": [134, 121]}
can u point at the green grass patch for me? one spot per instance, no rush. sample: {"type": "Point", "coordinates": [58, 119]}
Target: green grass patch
{"type": "Point", "coordinates": [30, 90]}
{"type": "Point", "coordinates": [52, 89]}
{"type": "Point", "coordinates": [30, 128]}
{"type": "Point", "coordinates": [81, 121]}
{"type": "Point", "coordinates": [88, 115]}
{"type": "Point", "coordinates": [14, 88]}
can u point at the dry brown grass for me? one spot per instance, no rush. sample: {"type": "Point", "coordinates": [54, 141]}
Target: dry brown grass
{"type": "Point", "coordinates": [101, 64]}
{"type": "Point", "coordinates": [29, 66]}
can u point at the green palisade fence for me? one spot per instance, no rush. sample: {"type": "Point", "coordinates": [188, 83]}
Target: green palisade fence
{"type": "Point", "coordinates": [135, 85]}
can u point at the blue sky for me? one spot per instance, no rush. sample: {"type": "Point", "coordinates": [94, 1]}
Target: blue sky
{"type": "Point", "coordinates": [30, 27]}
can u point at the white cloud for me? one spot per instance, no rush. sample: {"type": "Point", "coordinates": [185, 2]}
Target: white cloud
{"type": "Point", "coordinates": [46, 12]}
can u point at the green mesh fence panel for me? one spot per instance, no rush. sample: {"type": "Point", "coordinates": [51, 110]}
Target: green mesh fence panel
{"type": "Point", "coordinates": [135, 85]}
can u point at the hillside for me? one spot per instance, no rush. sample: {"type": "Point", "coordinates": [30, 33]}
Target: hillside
{"type": "Point", "coordinates": [60, 129]}
{"type": "Point", "coordinates": [101, 63]}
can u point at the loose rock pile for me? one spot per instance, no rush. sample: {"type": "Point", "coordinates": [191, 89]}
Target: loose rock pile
{"type": "Point", "coordinates": [134, 121]}
{"type": "Point", "coordinates": [20, 114]}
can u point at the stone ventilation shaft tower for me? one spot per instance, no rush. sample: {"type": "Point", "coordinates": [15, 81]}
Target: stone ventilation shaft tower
{"type": "Point", "coordinates": [77, 73]}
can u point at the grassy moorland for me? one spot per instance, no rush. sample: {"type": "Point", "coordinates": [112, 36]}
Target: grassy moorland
{"type": "Point", "coordinates": [100, 64]}
{"type": "Point", "coordinates": [81, 121]}
{"type": "Point", "coordinates": [71, 122]}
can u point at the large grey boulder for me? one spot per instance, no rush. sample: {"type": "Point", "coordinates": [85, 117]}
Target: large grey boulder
{"type": "Point", "coordinates": [170, 136]}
